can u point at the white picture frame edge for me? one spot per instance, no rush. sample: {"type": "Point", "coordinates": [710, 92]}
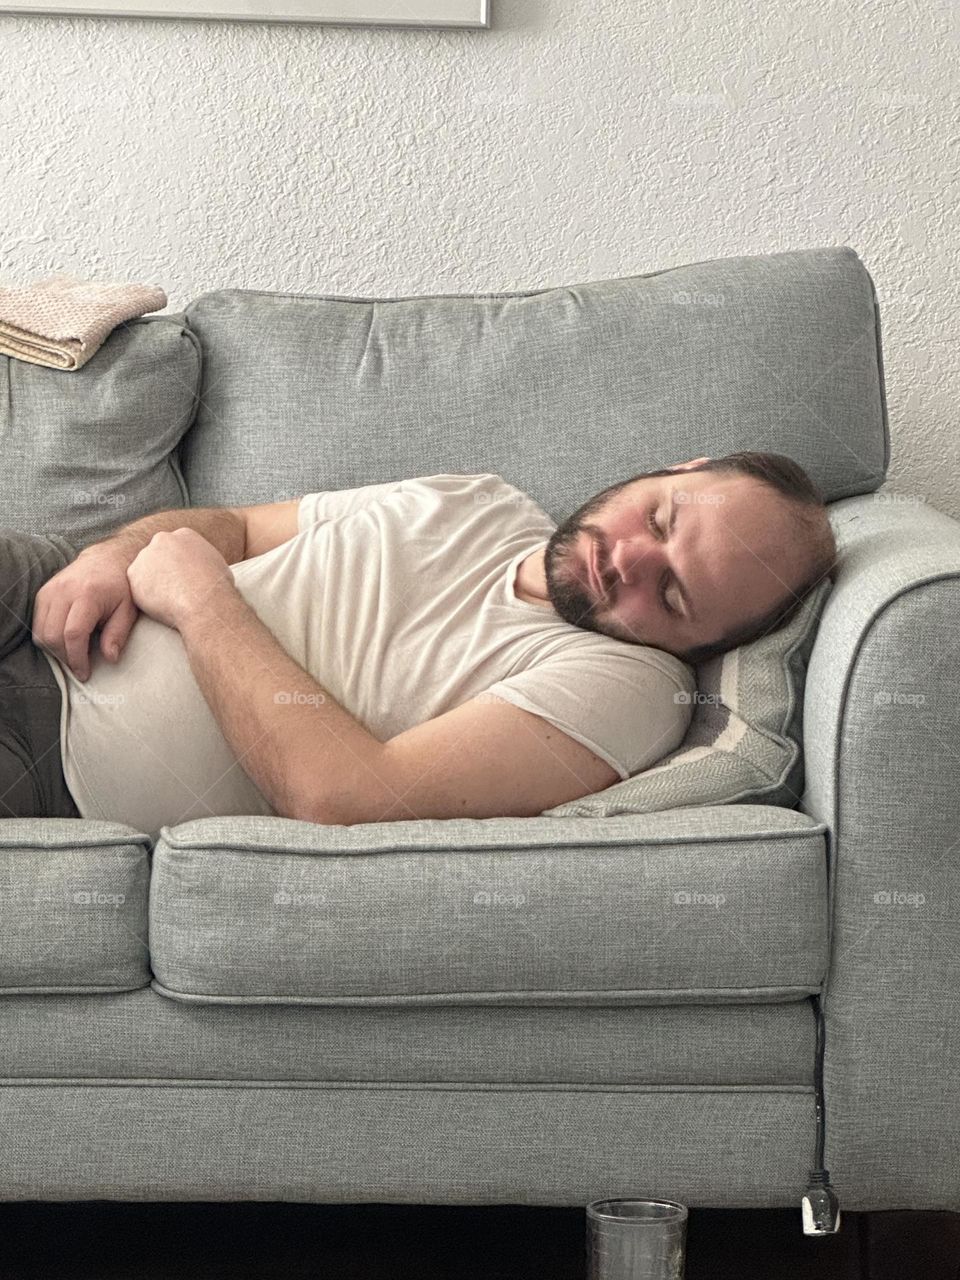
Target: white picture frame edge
{"type": "Point", "coordinates": [402, 13]}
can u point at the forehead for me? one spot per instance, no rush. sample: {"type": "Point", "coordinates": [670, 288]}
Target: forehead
{"type": "Point", "coordinates": [715, 500]}
{"type": "Point", "coordinates": [731, 484]}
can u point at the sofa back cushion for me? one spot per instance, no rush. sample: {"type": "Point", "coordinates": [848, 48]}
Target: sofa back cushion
{"type": "Point", "coordinates": [562, 391]}
{"type": "Point", "coordinates": [88, 450]}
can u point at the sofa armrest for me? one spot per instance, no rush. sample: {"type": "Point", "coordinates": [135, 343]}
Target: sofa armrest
{"type": "Point", "coordinates": [882, 771]}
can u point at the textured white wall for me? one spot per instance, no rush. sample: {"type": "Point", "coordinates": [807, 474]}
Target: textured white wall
{"type": "Point", "coordinates": [573, 141]}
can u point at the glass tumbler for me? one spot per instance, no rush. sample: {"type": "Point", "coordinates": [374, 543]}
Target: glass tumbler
{"type": "Point", "coordinates": [636, 1240]}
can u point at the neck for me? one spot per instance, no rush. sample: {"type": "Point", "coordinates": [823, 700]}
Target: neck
{"type": "Point", "coordinates": [530, 582]}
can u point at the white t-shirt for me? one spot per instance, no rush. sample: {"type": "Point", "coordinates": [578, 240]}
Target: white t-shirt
{"type": "Point", "coordinates": [399, 600]}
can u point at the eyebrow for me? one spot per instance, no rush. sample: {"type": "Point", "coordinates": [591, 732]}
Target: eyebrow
{"type": "Point", "coordinates": [674, 505]}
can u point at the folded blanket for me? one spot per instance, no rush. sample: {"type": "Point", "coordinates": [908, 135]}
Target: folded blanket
{"type": "Point", "coordinates": [62, 321]}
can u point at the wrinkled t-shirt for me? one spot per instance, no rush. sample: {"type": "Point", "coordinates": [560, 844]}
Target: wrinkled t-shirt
{"type": "Point", "coordinates": [399, 600]}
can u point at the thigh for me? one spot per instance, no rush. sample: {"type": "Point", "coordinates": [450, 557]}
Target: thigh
{"type": "Point", "coordinates": [20, 792]}
{"type": "Point", "coordinates": [32, 784]}
{"type": "Point", "coordinates": [27, 560]}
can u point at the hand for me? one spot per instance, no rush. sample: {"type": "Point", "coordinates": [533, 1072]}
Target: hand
{"type": "Point", "coordinates": [176, 574]}
{"type": "Point", "coordinates": [91, 591]}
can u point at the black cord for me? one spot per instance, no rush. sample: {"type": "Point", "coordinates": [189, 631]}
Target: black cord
{"type": "Point", "coordinates": [821, 1209]}
{"type": "Point", "coordinates": [818, 1084]}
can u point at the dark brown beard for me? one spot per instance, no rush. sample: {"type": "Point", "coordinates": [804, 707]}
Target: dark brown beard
{"type": "Point", "coordinates": [568, 595]}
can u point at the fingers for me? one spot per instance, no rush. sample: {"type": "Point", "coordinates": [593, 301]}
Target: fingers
{"type": "Point", "coordinates": [77, 630]}
{"type": "Point", "coordinates": [73, 604]}
{"type": "Point", "coordinates": [49, 615]}
{"type": "Point", "coordinates": [38, 616]}
{"type": "Point", "coordinates": [115, 633]}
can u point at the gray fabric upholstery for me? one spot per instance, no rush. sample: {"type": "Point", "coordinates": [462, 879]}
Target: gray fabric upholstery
{"type": "Point", "coordinates": [562, 391]}
{"type": "Point", "coordinates": [73, 906]}
{"type": "Point", "coordinates": [86, 452]}
{"type": "Point", "coordinates": [386, 1094]}
{"type": "Point", "coordinates": [745, 741]}
{"type": "Point", "coordinates": [136, 1035]}
{"type": "Point", "coordinates": [882, 729]}
{"type": "Point", "coordinates": [492, 911]}
{"type": "Point", "coordinates": [426, 1144]}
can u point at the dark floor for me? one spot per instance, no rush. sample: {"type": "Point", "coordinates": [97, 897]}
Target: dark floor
{"type": "Point", "coordinates": [104, 1240]}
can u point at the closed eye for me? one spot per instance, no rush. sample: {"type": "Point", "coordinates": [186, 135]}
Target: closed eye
{"type": "Point", "coordinates": [665, 580]}
{"type": "Point", "coordinates": [664, 583]}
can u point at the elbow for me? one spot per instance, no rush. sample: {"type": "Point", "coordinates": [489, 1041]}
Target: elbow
{"type": "Point", "coordinates": [320, 814]}
{"type": "Point", "coordinates": [346, 801]}
{"type": "Point", "coordinates": [322, 810]}
{"type": "Point", "coordinates": [297, 797]}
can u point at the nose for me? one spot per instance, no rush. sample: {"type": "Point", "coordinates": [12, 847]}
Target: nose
{"type": "Point", "coordinates": [636, 559]}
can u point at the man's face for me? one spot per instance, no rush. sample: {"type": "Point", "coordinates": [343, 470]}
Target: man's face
{"type": "Point", "coordinates": [674, 561]}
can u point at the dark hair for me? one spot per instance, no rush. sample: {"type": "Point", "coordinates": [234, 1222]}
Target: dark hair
{"type": "Point", "coordinates": [807, 505]}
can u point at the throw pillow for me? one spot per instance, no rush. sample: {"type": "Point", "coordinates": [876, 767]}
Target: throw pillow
{"type": "Point", "coordinates": [88, 450]}
{"type": "Point", "coordinates": [744, 744]}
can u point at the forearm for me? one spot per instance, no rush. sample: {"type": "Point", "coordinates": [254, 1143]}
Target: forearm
{"type": "Point", "coordinates": [299, 746]}
{"type": "Point", "coordinates": [221, 527]}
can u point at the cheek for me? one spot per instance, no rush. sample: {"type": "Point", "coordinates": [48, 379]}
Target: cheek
{"type": "Point", "coordinates": [635, 623]}
{"type": "Point", "coordinates": [639, 603]}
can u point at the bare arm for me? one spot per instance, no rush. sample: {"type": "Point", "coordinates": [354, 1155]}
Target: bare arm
{"type": "Point", "coordinates": [309, 756]}
{"type": "Point", "coordinates": [93, 590]}
{"type": "Point", "coordinates": [297, 743]}
{"type": "Point", "coordinates": [223, 527]}
{"type": "Point", "coordinates": [238, 533]}
{"type": "Point", "coordinates": [314, 761]}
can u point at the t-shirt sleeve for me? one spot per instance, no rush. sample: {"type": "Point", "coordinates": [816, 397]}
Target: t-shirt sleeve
{"type": "Point", "coordinates": [334, 504]}
{"type": "Point", "coordinates": [630, 706]}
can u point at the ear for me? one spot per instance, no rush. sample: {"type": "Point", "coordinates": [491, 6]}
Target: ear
{"type": "Point", "coordinates": [686, 466]}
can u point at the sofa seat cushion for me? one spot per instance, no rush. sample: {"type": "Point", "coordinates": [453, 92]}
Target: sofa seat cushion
{"type": "Point", "coordinates": [73, 906]}
{"type": "Point", "coordinates": [706, 905]}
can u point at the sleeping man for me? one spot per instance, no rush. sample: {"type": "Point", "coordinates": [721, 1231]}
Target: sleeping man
{"type": "Point", "coordinates": [427, 648]}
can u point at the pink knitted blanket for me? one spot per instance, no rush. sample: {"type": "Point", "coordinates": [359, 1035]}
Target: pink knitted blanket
{"type": "Point", "coordinates": [62, 321]}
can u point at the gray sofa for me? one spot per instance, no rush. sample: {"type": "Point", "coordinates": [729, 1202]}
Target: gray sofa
{"type": "Point", "coordinates": [505, 1010]}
